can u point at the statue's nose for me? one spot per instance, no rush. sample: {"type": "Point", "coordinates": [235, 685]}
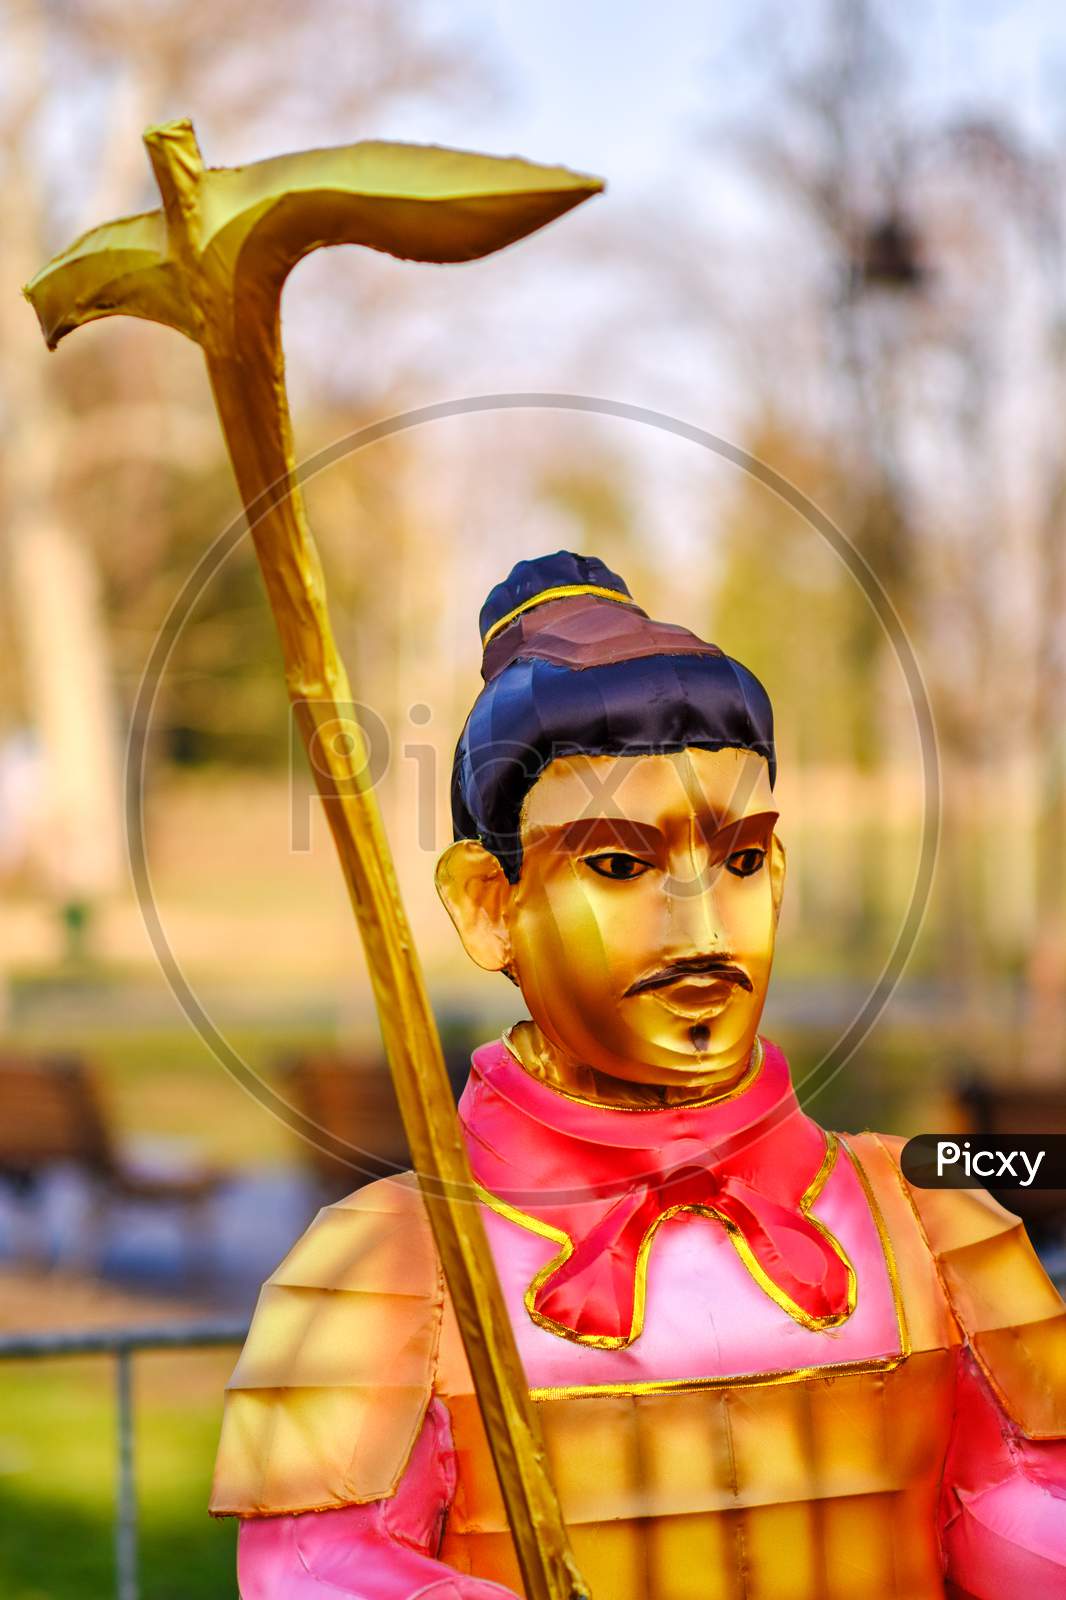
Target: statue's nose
{"type": "Point", "coordinates": [692, 899]}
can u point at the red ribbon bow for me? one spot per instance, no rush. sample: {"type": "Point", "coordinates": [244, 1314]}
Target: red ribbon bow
{"type": "Point", "coordinates": [600, 1181]}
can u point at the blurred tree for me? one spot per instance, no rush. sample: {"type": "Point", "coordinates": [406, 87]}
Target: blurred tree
{"type": "Point", "coordinates": [906, 324]}
{"type": "Point", "coordinates": [113, 473]}
{"type": "Point", "coordinates": [54, 593]}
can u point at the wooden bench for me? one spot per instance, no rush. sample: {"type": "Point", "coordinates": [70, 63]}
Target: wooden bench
{"type": "Point", "coordinates": [349, 1128]}
{"type": "Point", "coordinates": [52, 1114]}
{"type": "Point", "coordinates": [357, 1134]}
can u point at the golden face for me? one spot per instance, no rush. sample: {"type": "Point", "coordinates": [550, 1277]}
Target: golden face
{"type": "Point", "coordinates": [641, 930]}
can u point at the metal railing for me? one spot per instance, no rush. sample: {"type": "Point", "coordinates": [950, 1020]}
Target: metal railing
{"type": "Point", "coordinates": [123, 1344]}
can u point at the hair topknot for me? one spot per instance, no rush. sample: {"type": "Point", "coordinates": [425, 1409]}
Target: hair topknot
{"type": "Point", "coordinates": [572, 665]}
{"type": "Point", "coordinates": [529, 579]}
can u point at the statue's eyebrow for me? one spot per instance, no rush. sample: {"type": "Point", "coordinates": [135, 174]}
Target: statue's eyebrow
{"type": "Point", "coordinates": [583, 835]}
{"type": "Point", "coordinates": [729, 833]}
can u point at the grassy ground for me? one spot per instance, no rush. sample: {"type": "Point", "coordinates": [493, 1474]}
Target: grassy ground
{"type": "Point", "coordinates": [57, 1478]}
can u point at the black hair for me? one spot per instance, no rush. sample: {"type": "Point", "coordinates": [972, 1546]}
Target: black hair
{"type": "Point", "coordinates": [528, 579]}
{"type": "Point", "coordinates": [534, 710]}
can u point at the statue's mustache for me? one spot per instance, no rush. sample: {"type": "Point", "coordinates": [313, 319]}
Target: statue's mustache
{"type": "Point", "coordinates": [691, 967]}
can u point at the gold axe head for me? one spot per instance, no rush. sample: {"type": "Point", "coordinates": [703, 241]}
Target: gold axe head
{"type": "Point", "coordinates": [227, 232]}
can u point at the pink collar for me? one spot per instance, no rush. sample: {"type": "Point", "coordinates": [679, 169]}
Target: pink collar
{"type": "Point", "coordinates": [601, 1179]}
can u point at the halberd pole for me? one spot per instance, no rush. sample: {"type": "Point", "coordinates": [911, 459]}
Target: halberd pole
{"type": "Point", "coordinates": [212, 263]}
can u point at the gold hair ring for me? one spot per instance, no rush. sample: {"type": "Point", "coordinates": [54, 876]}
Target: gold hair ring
{"type": "Point", "coordinates": [565, 591]}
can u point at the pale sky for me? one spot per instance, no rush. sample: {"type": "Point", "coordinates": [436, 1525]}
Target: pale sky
{"type": "Point", "coordinates": [621, 87]}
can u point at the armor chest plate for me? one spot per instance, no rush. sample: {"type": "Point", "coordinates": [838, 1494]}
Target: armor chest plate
{"type": "Point", "coordinates": [816, 1489]}
{"type": "Point", "coordinates": [686, 1472]}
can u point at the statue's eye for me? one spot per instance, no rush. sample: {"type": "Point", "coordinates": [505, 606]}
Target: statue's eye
{"type": "Point", "coordinates": [743, 863]}
{"type": "Point", "coordinates": [618, 865]}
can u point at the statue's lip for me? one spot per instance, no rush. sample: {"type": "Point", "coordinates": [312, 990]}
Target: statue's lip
{"type": "Point", "coordinates": [693, 978]}
{"type": "Point", "coordinates": [696, 999]}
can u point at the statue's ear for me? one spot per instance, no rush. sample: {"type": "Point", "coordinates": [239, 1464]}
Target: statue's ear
{"type": "Point", "coordinates": [476, 894]}
{"type": "Point", "coordinates": [777, 873]}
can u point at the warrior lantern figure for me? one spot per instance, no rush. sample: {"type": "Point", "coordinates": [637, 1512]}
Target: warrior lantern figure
{"type": "Point", "coordinates": [766, 1368]}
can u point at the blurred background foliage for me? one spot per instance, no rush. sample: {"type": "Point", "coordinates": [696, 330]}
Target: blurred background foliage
{"type": "Point", "coordinates": [828, 242]}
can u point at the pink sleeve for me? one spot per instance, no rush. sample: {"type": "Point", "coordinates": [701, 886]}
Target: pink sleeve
{"type": "Point", "coordinates": [1003, 1511]}
{"type": "Point", "coordinates": [382, 1551]}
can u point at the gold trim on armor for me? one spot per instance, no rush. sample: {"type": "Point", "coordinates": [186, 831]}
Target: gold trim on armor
{"type": "Point", "coordinates": [564, 592]}
{"type": "Point", "coordinates": [717, 1097]}
{"type": "Point", "coordinates": [620, 1341]}
{"type": "Point", "coordinates": [886, 1247]}
{"type": "Point", "coordinates": [747, 1380]}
